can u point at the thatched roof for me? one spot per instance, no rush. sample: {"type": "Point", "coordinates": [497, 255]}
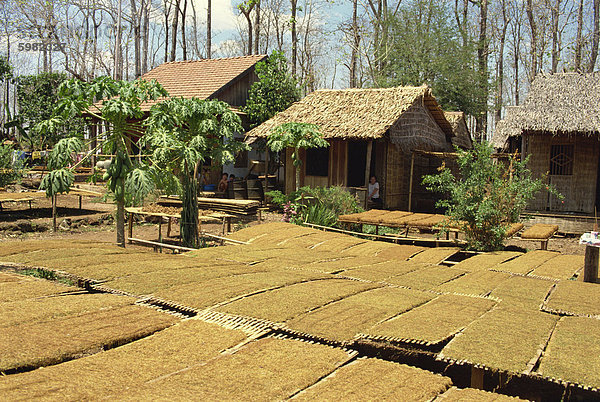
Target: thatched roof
{"type": "Point", "coordinates": [556, 103]}
{"type": "Point", "coordinates": [462, 136]}
{"type": "Point", "coordinates": [356, 113]}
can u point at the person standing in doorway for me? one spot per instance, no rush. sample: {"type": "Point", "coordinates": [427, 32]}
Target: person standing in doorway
{"type": "Point", "coordinates": [373, 190]}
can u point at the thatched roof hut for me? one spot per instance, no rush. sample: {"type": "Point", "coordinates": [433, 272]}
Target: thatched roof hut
{"type": "Point", "coordinates": [357, 114]}
{"type": "Point", "coordinates": [556, 104]}
{"type": "Point", "coordinates": [462, 136]}
{"type": "Point", "coordinates": [557, 127]}
{"type": "Point", "coordinates": [370, 132]}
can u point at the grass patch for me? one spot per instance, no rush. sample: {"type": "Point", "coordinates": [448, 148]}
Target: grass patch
{"type": "Point", "coordinates": [434, 321]}
{"type": "Point", "coordinates": [376, 380]}
{"type": "Point", "coordinates": [573, 353]}
{"type": "Point", "coordinates": [282, 304]}
{"type": "Point", "coordinates": [342, 320]}
{"type": "Point", "coordinates": [503, 339]}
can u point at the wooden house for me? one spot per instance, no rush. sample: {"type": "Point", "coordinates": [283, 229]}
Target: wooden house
{"type": "Point", "coordinates": [370, 132]}
{"type": "Point", "coordinates": [558, 128]}
{"type": "Point", "coordinates": [225, 79]}
{"type": "Point", "coordinates": [462, 135]}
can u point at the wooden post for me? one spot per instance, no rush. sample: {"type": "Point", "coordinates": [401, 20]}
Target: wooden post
{"type": "Point", "coordinates": [169, 227]}
{"type": "Point", "coordinates": [80, 197]}
{"type": "Point", "coordinates": [130, 227]}
{"type": "Point", "coordinates": [266, 176]}
{"type": "Point", "coordinates": [477, 377]}
{"type": "Point", "coordinates": [590, 270]}
{"type": "Point", "coordinates": [368, 164]}
{"type": "Point", "coordinates": [410, 185]}
{"type": "Point", "coordinates": [160, 232]}
{"type": "Point", "coordinates": [54, 227]}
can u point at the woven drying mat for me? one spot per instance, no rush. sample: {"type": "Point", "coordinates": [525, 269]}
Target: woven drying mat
{"type": "Point", "coordinates": [539, 231]}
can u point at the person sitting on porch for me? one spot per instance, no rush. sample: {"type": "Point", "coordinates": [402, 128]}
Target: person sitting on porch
{"type": "Point", "coordinates": [223, 184]}
{"type": "Point", "coordinates": [373, 190]}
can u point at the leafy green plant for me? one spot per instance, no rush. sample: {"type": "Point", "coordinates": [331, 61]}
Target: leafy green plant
{"type": "Point", "coordinates": [182, 134]}
{"type": "Point", "coordinates": [275, 90]}
{"type": "Point", "coordinates": [116, 103]}
{"type": "Point", "coordinates": [487, 196]}
{"type": "Point", "coordinates": [296, 135]}
{"type": "Point", "coordinates": [10, 171]}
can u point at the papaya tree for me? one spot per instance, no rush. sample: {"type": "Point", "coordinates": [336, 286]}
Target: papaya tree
{"type": "Point", "coordinates": [296, 136]}
{"type": "Point", "coordinates": [116, 103]}
{"type": "Point", "coordinates": [182, 134]}
{"type": "Point", "coordinates": [61, 176]}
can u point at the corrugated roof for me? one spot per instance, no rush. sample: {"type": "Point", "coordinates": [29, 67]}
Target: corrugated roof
{"type": "Point", "coordinates": [556, 103]}
{"type": "Point", "coordinates": [355, 113]}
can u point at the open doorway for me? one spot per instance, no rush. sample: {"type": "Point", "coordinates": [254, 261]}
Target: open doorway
{"type": "Point", "coordinates": [357, 158]}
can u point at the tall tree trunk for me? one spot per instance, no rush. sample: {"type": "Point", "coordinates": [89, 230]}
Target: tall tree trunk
{"type": "Point", "coordinates": [209, 30]}
{"type": "Point", "coordinates": [482, 56]}
{"type": "Point", "coordinates": [500, 90]}
{"type": "Point", "coordinates": [256, 26]}
{"type": "Point", "coordinates": [118, 72]}
{"type": "Point", "coordinates": [555, 13]}
{"type": "Point", "coordinates": [137, 36]}
{"type": "Point", "coordinates": [145, 37]}
{"type": "Point", "coordinates": [595, 37]}
{"type": "Point", "coordinates": [183, 38]}
{"type": "Point", "coordinates": [579, 40]}
{"type": "Point", "coordinates": [174, 26]}
{"type": "Point", "coordinates": [533, 28]}
{"type": "Point", "coordinates": [294, 4]}
{"type": "Point", "coordinates": [246, 9]}
{"type": "Point", "coordinates": [355, 45]}
{"type": "Point", "coordinates": [189, 213]}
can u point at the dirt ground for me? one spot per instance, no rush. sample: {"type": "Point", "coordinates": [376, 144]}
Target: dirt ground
{"type": "Point", "coordinates": [95, 221]}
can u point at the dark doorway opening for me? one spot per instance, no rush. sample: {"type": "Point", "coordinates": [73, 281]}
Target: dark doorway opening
{"type": "Point", "coordinates": [357, 158]}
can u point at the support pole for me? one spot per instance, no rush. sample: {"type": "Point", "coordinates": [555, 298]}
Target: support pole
{"type": "Point", "coordinates": [477, 377]}
{"type": "Point", "coordinates": [130, 227]}
{"type": "Point", "coordinates": [410, 185]}
{"type": "Point", "coordinates": [590, 270]}
{"type": "Point", "coordinates": [169, 226]}
{"type": "Point", "coordinates": [368, 164]}
{"type": "Point", "coordinates": [266, 176]}
{"type": "Point", "coordinates": [54, 227]}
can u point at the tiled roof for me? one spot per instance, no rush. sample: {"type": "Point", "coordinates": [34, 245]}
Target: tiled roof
{"type": "Point", "coordinates": [199, 78]}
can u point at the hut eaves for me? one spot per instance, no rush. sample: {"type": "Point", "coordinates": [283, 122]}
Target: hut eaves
{"type": "Point", "coordinates": [356, 113]}
{"type": "Point", "coordinates": [462, 136]}
{"type": "Point", "coordinates": [556, 103]}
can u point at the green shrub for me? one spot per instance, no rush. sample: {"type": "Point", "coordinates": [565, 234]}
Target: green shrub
{"type": "Point", "coordinates": [488, 197]}
{"type": "Point", "coordinates": [320, 205]}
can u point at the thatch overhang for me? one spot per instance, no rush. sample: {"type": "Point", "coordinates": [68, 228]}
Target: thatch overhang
{"type": "Point", "coordinates": [462, 136]}
{"type": "Point", "coordinates": [565, 103]}
{"type": "Point", "coordinates": [356, 114]}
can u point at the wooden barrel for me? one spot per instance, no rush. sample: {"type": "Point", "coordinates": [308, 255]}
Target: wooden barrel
{"type": "Point", "coordinates": [239, 190]}
{"type": "Point", "coordinates": [255, 189]}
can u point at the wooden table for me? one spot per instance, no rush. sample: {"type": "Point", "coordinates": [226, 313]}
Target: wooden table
{"type": "Point", "coordinates": [214, 217]}
{"type": "Point", "coordinates": [20, 197]}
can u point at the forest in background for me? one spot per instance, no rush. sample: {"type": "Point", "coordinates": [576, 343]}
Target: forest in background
{"type": "Point", "coordinates": [478, 55]}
